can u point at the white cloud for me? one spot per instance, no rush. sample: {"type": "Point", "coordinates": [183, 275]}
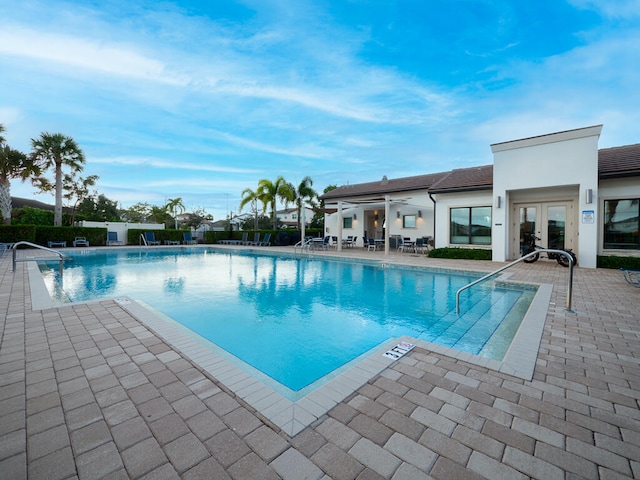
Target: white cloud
{"type": "Point", "coordinates": [113, 59]}
{"type": "Point", "coordinates": [611, 8]}
{"type": "Point", "coordinates": [168, 164]}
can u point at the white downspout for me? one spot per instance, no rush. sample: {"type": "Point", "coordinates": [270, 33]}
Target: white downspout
{"type": "Point", "coordinates": [386, 230]}
{"type": "Point", "coordinates": [339, 246]}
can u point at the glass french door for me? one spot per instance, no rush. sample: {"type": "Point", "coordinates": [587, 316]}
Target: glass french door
{"type": "Point", "coordinates": [551, 222]}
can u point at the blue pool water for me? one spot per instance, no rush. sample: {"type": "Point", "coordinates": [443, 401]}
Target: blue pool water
{"type": "Point", "coordinates": [298, 319]}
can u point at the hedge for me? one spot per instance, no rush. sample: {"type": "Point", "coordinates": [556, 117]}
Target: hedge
{"type": "Point", "coordinates": [612, 261]}
{"type": "Point", "coordinates": [17, 233]}
{"type": "Point", "coordinates": [461, 253]}
{"type": "Point", "coordinates": [95, 236]}
{"type": "Point", "coordinates": [133, 235]}
{"type": "Point", "coordinates": [278, 237]}
{"type": "Point", "coordinates": [41, 234]}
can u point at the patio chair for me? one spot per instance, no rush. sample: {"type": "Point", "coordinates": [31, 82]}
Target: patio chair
{"type": "Point", "coordinates": [266, 241]}
{"type": "Point", "coordinates": [419, 247]}
{"type": "Point", "coordinates": [371, 245]}
{"type": "Point", "coordinates": [57, 243]}
{"type": "Point", "coordinates": [632, 276]}
{"type": "Point", "coordinates": [112, 239]}
{"type": "Point", "coordinates": [256, 239]}
{"type": "Point", "coordinates": [188, 239]}
{"type": "Point", "coordinates": [80, 242]}
{"type": "Point", "coordinates": [150, 238]}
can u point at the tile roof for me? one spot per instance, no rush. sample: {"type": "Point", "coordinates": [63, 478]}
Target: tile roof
{"type": "Point", "coordinates": [419, 182]}
{"type": "Point", "coordinates": [619, 161]}
{"type": "Point", "coordinates": [462, 179]}
{"type": "Point", "coordinates": [612, 162]}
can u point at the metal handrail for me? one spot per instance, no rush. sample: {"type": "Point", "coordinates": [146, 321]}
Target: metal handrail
{"type": "Point", "coordinates": [60, 254]}
{"type": "Point", "coordinates": [531, 254]}
{"type": "Point", "coordinates": [302, 244]}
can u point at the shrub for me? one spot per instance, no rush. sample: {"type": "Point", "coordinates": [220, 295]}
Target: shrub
{"type": "Point", "coordinates": [17, 233]}
{"type": "Point", "coordinates": [461, 253]}
{"type": "Point", "coordinates": [133, 235]}
{"type": "Point", "coordinates": [613, 261]}
{"type": "Point", "coordinates": [95, 236]}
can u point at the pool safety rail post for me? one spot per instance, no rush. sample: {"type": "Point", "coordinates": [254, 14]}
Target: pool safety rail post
{"type": "Point", "coordinates": [541, 250]}
{"type": "Point", "coordinates": [26, 259]}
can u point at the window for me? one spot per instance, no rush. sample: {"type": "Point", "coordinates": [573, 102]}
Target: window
{"type": "Point", "coordinates": [347, 222]}
{"type": "Point", "coordinates": [471, 226]}
{"type": "Point", "coordinates": [409, 221]}
{"type": "Point", "coordinates": [621, 224]}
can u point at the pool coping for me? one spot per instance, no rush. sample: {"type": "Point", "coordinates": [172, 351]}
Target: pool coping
{"type": "Point", "coordinates": [293, 416]}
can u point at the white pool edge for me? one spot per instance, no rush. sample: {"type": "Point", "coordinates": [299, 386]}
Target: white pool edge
{"type": "Point", "coordinates": [293, 416]}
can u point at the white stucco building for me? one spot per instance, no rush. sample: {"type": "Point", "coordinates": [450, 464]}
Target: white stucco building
{"type": "Point", "coordinates": [559, 186]}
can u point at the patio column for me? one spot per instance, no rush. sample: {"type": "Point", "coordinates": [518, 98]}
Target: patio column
{"type": "Point", "coordinates": [339, 246]}
{"type": "Point", "coordinates": [302, 225]}
{"type": "Point", "coordinates": [388, 222]}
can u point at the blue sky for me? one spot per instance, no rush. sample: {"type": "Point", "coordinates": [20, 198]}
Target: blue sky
{"type": "Point", "coordinates": [200, 100]}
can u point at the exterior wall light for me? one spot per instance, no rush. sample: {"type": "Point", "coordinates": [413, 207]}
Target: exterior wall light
{"type": "Point", "coordinates": [589, 196]}
{"type": "Point", "coordinates": [398, 214]}
{"type": "Point", "coordinates": [419, 213]}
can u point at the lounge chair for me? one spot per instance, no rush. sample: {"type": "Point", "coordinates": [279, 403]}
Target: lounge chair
{"type": "Point", "coordinates": [632, 276]}
{"type": "Point", "coordinates": [256, 239]}
{"type": "Point", "coordinates": [188, 239]}
{"type": "Point", "coordinates": [57, 243]}
{"type": "Point", "coordinates": [150, 238]}
{"type": "Point", "coordinates": [266, 241]}
{"type": "Point", "coordinates": [80, 242]}
{"type": "Point", "coordinates": [112, 239]}
{"type": "Point", "coordinates": [243, 241]}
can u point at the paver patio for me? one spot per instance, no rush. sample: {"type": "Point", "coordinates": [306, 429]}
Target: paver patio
{"type": "Point", "coordinates": [88, 391]}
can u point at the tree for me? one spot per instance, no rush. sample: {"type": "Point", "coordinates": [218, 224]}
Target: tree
{"type": "Point", "coordinates": [175, 205]}
{"type": "Point", "coordinates": [318, 217]}
{"type": "Point", "coordinates": [198, 217]}
{"type": "Point", "coordinates": [160, 215]}
{"type": "Point", "coordinates": [99, 209]}
{"type": "Point", "coordinates": [304, 194]}
{"type": "Point", "coordinates": [55, 150]}
{"type": "Point", "coordinates": [137, 213]}
{"type": "Point", "coordinates": [264, 223]}
{"type": "Point", "coordinates": [270, 192]}
{"type": "Point", "coordinates": [251, 196]}
{"type": "Point", "coordinates": [13, 164]}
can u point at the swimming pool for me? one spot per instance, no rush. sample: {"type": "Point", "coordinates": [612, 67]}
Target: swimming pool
{"type": "Point", "coordinates": [298, 319]}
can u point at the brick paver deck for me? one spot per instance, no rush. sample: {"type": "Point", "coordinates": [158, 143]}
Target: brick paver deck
{"type": "Point", "coordinates": [88, 391]}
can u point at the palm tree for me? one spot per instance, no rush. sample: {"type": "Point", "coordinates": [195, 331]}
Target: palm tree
{"type": "Point", "coordinates": [173, 205]}
{"type": "Point", "coordinates": [269, 192]}
{"type": "Point", "coordinates": [55, 150]}
{"type": "Point", "coordinates": [304, 194]}
{"type": "Point", "coordinates": [252, 197]}
{"type": "Point", "coordinates": [13, 164]}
